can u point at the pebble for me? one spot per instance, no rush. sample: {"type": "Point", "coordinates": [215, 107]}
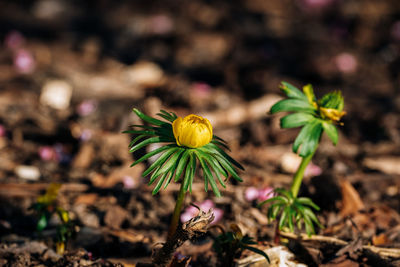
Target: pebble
{"type": "Point", "coordinates": [25, 172]}
{"type": "Point", "coordinates": [145, 74]}
{"type": "Point", "coordinates": [56, 94]}
{"type": "Point", "coordinates": [388, 165]}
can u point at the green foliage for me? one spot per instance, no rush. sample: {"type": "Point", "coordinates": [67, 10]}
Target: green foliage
{"type": "Point", "coordinates": [45, 207]}
{"type": "Point", "coordinates": [314, 116]}
{"type": "Point", "coordinates": [230, 245]}
{"type": "Point", "coordinates": [178, 163]}
{"type": "Point", "coordinates": [292, 211]}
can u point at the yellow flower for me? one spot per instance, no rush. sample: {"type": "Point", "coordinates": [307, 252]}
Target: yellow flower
{"type": "Point", "coordinates": [192, 131]}
{"type": "Point", "coordinates": [332, 114]}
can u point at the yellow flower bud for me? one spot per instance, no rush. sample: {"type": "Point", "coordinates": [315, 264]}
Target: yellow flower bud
{"type": "Point", "coordinates": [192, 131]}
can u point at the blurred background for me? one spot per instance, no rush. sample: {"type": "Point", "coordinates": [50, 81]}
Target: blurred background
{"type": "Point", "coordinates": [71, 72]}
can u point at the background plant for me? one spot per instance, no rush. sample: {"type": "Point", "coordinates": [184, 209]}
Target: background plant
{"type": "Point", "coordinates": [315, 117]}
{"type": "Point", "coordinates": [185, 144]}
{"type": "Point", "coordinates": [229, 245]}
{"type": "Point", "coordinates": [45, 207]}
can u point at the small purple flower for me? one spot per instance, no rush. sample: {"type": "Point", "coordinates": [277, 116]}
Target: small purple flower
{"type": "Point", "coordinates": [23, 61]}
{"type": "Point", "coordinates": [86, 135]}
{"type": "Point", "coordinates": [86, 107]}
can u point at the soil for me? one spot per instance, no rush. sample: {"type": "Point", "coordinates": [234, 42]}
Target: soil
{"type": "Point", "coordinates": [71, 72]}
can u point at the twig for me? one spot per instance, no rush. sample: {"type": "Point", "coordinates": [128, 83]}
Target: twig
{"type": "Point", "coordinates": [187, 231]}
{"type": "Point", "coordinates": [385, 253]}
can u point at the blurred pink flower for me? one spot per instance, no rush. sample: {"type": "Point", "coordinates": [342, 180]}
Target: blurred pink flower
{"type": "Point", "coordinates": [161, 24]}
{"type": "Point", "coordinates": [48, 153]}
{"type": "Point", "coordinates": [346, 63]}
{"type": "Point", "coordinates": [312, 170]}
{"type": "Point", "coordinates": [200, 89]}
{"type": "Point", "coordinates": [262, 194]}
{"type": "Point", "coordinates": [23, 61]}
{"type": "Point", "coordinates": [2, 130]}
{"type": "Point", "coordinates": [14, 40]}
{"type": "Point", "coordinates": [395, 31]}
{"type": "Point", "coordinates": [129, 182]}
{"type": "Point", "coordinates": [314, 5]}
{"type": "Point", "coordinates": [192, 211]}
{"type": "Point", "coordinates": [265, 193]}
{"type": "Point", "coordinates": [86, 107]}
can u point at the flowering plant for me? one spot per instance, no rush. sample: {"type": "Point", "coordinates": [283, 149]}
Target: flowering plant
{"type": "Point", "coordinates": [45, 207]}
{"type": "Point", "coordinates": [315, 117]}
{"type": "Point", "coordinates": [186, 142]}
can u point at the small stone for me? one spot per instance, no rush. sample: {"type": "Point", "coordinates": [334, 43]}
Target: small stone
{"type": "Point", "coordinates": [30, 173]}
{"type": "Point", "coordinates": [387, 164]}
{"type": "Point", "coordinates": [56, 94]}
{"type": "Point", "coordinates": [145, 74]}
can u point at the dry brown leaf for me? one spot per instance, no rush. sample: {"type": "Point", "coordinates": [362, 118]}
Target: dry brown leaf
{"type": "Point", "coordinates": [351, 201]}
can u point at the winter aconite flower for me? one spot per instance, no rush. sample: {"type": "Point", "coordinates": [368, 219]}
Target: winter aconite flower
{"type": "Point", "coordinates": [192, 131]}
{"type": "Point", "coordinates": [187, 143]}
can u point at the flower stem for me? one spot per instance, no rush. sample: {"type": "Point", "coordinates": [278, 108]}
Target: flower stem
{"type": "Point", "coordinates": [298, 176]}
{"type": "Point", "coordinates": [177, 212]}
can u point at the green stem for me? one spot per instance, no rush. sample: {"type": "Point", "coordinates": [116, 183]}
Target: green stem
{"type": "Point", "coordinates": [298, 176]}
{"type": "Point", "coordinates": [177, 212]}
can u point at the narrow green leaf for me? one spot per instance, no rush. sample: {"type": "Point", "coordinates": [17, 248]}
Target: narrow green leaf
{"type": "Point", "coordinates": [215, 149]}
{"type": "Point", "coordinates": [146, 142]}
{"type": "Point", "coordinates": [170, 162]}
{"type": "Point", "coordinates": [277, 199]}
{"type": "Point", "coordinates": [153, 176]}
{"type": "Point", "coordinates": [169, 177]}
{"type": "Point", "coordinates": [182, 164]}
{"type": "Point", "coordinates": [160, 161]}
{"type": "Point", "coordinates": [290, 219]}
{"type": "Point", "coordinates": [192, 171]}
{"type": "Point", "coordinates": [282, 220]}
{"type": "Point", "coordinates": [214, 165]}
{"type": "Point", "coordinates": [159, 184]}
{"type": "Point", "coordinates": [296, 120]}
{"type": "Point", "coordinates": [258, 251]}
{"type": "Point", "coordinates": [291, 91]}
{"type": "Point", "coordinates": [208, 174]}
{"type": "Point", "coordinates": [166, 117]}
{"type": "Point", "coordinates": [147, 118]}
{"type": "Point", "coordinates": [296, 105]}
{"type": "Point", "coordinates": [331, 131]}
{"type": "Point", "coordinates": [228, 167]}
{"type": "Point", "coordinates": [307, 201]}
{"type": "Point", "coordinates": [145, 132]}
{"type": "Point", "coordinates": [219, 139]}
{"type": "Point", "coordinates": [152, 153]}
